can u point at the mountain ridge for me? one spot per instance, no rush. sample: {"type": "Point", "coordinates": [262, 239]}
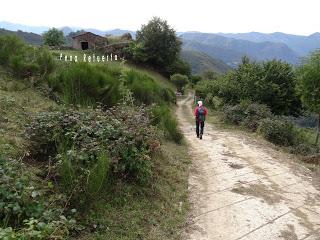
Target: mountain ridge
{"type": "Point", "coordinates": [201, 62]}
{"type": "Point", "coordinates": [232, 50]}
{"type": "Point", "coordinates": [298, 43]}
{"type": "Point", "coordinates": [228, 47]}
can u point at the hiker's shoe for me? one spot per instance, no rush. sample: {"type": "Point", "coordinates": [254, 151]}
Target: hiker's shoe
{"type": "Point", "coordinates": [197, 136]}
{"type": "Point", "coordinates": [200, 136]}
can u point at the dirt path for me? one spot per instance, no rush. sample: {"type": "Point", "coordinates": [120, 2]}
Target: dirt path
{"type": "Point", "coordinates": [242, 189]}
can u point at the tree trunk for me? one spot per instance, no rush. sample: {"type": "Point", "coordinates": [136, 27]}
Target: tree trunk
{"type": "Point", "coordinates": [318, 130]}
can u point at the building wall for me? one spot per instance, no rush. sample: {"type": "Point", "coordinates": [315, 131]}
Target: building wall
{"type": "Point", "coordinates": [93, 41]}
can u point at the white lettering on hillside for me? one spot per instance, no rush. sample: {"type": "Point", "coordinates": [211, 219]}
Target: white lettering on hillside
{"type": "Point", "coordinates": [89, 58]}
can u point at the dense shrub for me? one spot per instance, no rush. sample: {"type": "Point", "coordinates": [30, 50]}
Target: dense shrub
{"type": "Point", "coordinates": [23, 60]}
{"type": "Point", "coordinates": [163, 118]}
{"type": "Point", "coordinates": [179, 66]}
{"type": "Point", "coordinates": [88, 84]}
{"type": "Point", "coordinates": [194, 79]}
{"type": "Point", "coordinates": [278, 131]}
{"type": "Point", "coordinates": [145, 89]}
{"type": "Point", "coordinates": [214, 102]}
{"type": "Point", "coordinates": [254, 114]}
{"type": "Point", "coordinates": [84, 146]}
{"type": "Point", "coordinates": [25, 210]}
{"type": "Point", "coordinates": [53, 37]}
{"type": "Point", "coordinates": [158, 45]}
{"type": "Point", "coordinates": [305, 149]}
{"type": "Point", "coordinates": [271, 83]}
{"type": "Point", "coordinates": [222, 87]}
{"type": "Point", "coordinates": [246, 114]}
{"type": "Point", "coordinates": [180, 81]}
{"type": "Point", "coordinates": [234, 114]}
{"type": "Point", "coordinates": [308, 85]}
{"type": "Point", "coordinates": [10, 45]}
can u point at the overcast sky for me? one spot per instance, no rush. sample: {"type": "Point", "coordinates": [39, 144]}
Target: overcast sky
{"type": "Point", "coordinates": [289, 16]}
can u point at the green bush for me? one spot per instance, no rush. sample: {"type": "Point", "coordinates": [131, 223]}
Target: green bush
{"type": "Point", "coordinates": [278, 131]}
{"type": "Point", "coordinates": [254, 114]}
{"type": "Point", "coordinates": [86, 85]}
{"type": "Point", "coordinates": [145, 89]}
{"type": "Point", "coordinates": [305, 149]}
{"type": "Point", "coordinates": [271, 83]}
{"type": "Point", "coordinates": [163, 118]}
{"type": "Point", "coordinates": [234, 114]}
{"type": "Point", "coordinates": [10, 45]}
{"type": "Point", "coordinates": [158, 46]}
{"type": "Point", "coordinates": [45, 62]}
{"type": "Point", "coordinates": [214, 102]}
{"type": "Point", "coordinates": [246, 114]}
{"type": "Point", "coordinates": [23, 60]}
{"type": "Point", "coordinates": [84, 146]}
{"type": "Point", "coordinates": [21, 67]}
{"type": "Point", "coordinates": [180, 81]}
{"type": "Point", "coordinates": [53, 37]}
{"type": "Point", "coordinates": [26, 212]}
{"type": "Point", "coordinates": [179, 66]}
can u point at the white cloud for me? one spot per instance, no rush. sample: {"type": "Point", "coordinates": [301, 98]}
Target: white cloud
{"type": "Point", "coordinates": [295, 16]}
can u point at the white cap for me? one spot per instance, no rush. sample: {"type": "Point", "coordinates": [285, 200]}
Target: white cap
{"type": "Point", "coordinates": [200, 103]}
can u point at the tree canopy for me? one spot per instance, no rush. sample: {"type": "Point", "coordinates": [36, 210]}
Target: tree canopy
{"type": "Point", "coordinates": [157, 45]}
{"type": "Point", "coordinates": [53, 37]}
{"type": "Point", "coordinates": [308, 84]}
{"type": "Point", "coordinates": [179, 80]}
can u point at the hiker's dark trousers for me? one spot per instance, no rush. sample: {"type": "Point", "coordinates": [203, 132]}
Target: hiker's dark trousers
{"type": "Point", "coordinates": [201, 126]}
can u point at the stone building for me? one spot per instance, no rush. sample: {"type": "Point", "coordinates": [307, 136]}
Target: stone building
{"type": "Point", "coordinates": [88, 40]}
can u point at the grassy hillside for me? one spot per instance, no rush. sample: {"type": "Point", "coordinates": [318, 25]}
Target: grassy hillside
{"type": "Point", "coordinates": [80, 170]}
{"type": "Point", "coordinates": [163, 81]}
{"type": "Point", "coordinates": [29, 37]}
{"type": "Point", "coordinates": [201, 62]}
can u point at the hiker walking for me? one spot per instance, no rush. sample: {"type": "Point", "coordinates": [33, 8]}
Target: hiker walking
{"type": "Point", "coordinates": [200, 113]}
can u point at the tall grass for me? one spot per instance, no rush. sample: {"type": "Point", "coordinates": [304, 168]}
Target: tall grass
{"type": "Point", "coordinates": [24, 61]}
{"type": "Point", "coordinates": [163, 118]}
{"type": "Point", "coordinates": [82, 179]}
{"type": "Point", "coordinates": [85, 84]}
{"type": "Point", "coordinates": [98, 174]}
{"type": "Point", "coordinates": [145, 89]}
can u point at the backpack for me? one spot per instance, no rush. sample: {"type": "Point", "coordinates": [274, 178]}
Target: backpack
{"type": "Point", "coordinates": [201, 114]}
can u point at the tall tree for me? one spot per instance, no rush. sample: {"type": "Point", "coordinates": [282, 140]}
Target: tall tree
{"type": "Point", "coordinates": [180, 81]}
{"type": "Point", "coordinates": [53, 37]}
{"type": "Point", "coordinates": [308, 85]}
{"type": "Point", "coordinates": [157, 45]}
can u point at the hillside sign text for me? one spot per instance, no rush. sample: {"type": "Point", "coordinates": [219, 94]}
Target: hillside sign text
{"type": "Point", "coordinates": [90, 58]}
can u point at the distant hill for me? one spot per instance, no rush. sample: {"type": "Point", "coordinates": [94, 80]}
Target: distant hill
{"type": "Point", "coordinates": [228, 47]}
{"type": "Point", "coordinates": [66, 30]}
{"type": "Point", "coordinates": [25, 28]}
{"type": "Point", "coordinates": [201, 62]}
{"type": "Point", "coordinates": [30, 38]}
{"type": "Point", "coordinates": [300, 44]}
{"type": "Point", "coordinates": [231, 50]}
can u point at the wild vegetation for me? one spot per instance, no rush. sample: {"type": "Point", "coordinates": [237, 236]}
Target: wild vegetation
{"type": "Point", "coordinates": [158, 46]}
{"type": "Point", "coordinates": [53, 37]}
{"type": "Point", "coordinates": [270, 98]}
{"type": "Point", "coordinates": [81, 144]}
